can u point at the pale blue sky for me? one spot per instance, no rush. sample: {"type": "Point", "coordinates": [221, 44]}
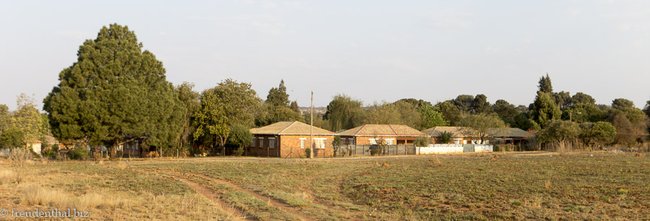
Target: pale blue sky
{"type": "Point", "coordinates": [371, 50]}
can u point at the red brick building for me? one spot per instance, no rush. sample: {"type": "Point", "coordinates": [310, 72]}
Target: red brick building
{"type": "Point", "coordinates": [389, 134]}
{"type": "Point", "coordinates": [290, 139]}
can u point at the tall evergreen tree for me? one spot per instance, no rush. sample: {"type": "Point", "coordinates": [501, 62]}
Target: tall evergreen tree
{"type": "Point", "coordinates": [114, 92]}
{"type": "Point", "coordinates": [278, 95]}
{"type": "Point", "coordinates": [544, 109]}
{"type": "Point", "coordinates": [545, 84]}
{"type": "Point", "coordinates": [278, 108]}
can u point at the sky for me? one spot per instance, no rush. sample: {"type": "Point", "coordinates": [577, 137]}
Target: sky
{"type": "Point", "coordinates": [371, 50]}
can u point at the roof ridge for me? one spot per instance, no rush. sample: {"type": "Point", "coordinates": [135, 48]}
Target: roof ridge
{"type": "Point", "coordinates": [288, 126]}
{"type": "Point", "coordinates": [393, 129]}
{"type": "Point", "coordinates": [359, 131]}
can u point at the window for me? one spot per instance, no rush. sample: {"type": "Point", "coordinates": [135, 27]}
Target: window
{"type": "Point", "coordinates": [254, 142]}
{"type": "Point", "coordinates": [319, 143]}
{"type": "Point", "coordinates": [272, 142]}
{"type": "Point", "coordinates": [372, 141]}
{"type": "Point", "coordinates": [390, 141]}
{"type": "Point", "coordinates": [260, 142]}
{"type": "Point", "coordinates": [302, 143]}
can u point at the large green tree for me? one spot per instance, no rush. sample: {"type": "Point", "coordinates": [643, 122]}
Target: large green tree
{"type": "Point", "coordinates": [583, 108]}
{"type": "Point", "coordinates": [343, 112]}
{"type": "Point", "coordinates": [480, 104]}
{"type": "Point", "coordinates": [114, 92]}
{"type": "Point", "coordinates": [545, 84]}
{"type": "Point", "coordinates": [630, 122]}
{"type": "Point", "coordinates": [431, 117]}
{"type": "Point", "coordinates": [190, 100]}
{"type": "Point", "coordinates": [506, 111]}
{"type": "Point", "coordinates": [464, 102]}
{"type": "Point", "coordinates": [278, 108]}
{"type": "Point", "coordinates": [544, 109]}
{"type": "Point", "coordinates": [428, 117]}
{"type": "Point", "coordinates": [559, 135]}
{"type": "Point", "coordinates": [450, 112]}
{"type": "Point", "coordinates": [481, 124]}
{"type": "Point", "coordinates": [597, 134]}
{"type": "Point", "coordinates": [385, 113]}
{"type": "Point", "coordinates": [228, 104]}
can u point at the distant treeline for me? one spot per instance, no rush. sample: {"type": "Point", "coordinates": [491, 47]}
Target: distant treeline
{"type": "Point", "coordinates": [116, 92]}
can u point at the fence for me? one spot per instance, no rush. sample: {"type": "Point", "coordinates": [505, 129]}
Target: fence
{"type": "Point", "coordinates": [409, 149]}
{"type": "Point", "coordinates": [375, 150]}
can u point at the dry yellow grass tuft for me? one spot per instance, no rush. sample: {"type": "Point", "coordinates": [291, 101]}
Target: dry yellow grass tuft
{"type": "Point", "coordinates": [122, 165]}
{"type": "Point", "coordinates": [548, 185]}
{"type": "Point", "coordinates": [8, 176]}
{"type": "Point", "coordinates": [33, 195]}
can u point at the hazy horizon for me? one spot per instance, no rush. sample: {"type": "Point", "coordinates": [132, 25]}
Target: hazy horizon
{"type": "Point", "coordinates": [370, 50]}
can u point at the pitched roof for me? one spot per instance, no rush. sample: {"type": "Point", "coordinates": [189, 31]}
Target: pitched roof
{"type": "Point", "coordinates": [509, 132]}
{"type": "Point", "coordinates": [290, 128]}
{"type": "Point", "coordinates": [382, 130]}
{"type": "Point", "coordinates": [456, 131]}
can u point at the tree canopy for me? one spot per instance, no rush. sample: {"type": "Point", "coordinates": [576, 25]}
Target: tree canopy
{"type": "Point", "coordinates": [115, 91]}
{"type": "Point", "coordinates": [343, 113]}
{"type": "Point", "coordinates": [545, 84]}
{"type": "Point", "coordinates": [481, 123]}
{"type": "Point", "coordinates": [228, 104]}
{"type": "Point", "coordinates": [544, 109]}
{"type": "Point", "coordinates": [278, 108]}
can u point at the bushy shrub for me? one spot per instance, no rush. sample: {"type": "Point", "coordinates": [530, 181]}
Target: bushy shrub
{"type": "Point", "coordinates": [78, 153]}
{"type": "Point", "coordinates": [239, 151]}
{"type": "Point", "coordinates": [422, 141]}
{"type": "Point", "coordinates": [307, 152]}
{"type": "Point", "coordinates": [446, 137]}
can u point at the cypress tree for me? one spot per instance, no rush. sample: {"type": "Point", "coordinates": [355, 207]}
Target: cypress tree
{"type": "Point", "coordinates": [114, 92]}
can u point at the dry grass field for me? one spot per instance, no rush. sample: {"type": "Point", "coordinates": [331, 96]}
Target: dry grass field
{"type": "Point", "coordinates": [477, 186]}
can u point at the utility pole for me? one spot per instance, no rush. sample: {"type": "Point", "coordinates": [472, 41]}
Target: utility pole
{"type": "Point", "coordinates": [311, 127]}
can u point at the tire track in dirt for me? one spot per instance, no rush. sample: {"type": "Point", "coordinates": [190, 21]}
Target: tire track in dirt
{"type": "Point", "coordinates": [234, 213]}
{"type": "Point", "coordinates": [282, 206]}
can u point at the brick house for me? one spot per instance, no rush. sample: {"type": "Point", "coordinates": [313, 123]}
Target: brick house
{"type": "Point", "coordinates": [460, 135]}
{"type": "Point", "coordinates": [389, 134]}
{"type": "Point", "coordinates": [514, 136]}
{"type": "Point", "coordinates": [290, 139]}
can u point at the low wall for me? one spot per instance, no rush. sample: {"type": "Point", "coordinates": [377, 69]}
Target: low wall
{"type": "Point", "coordinates": [483, 148]}
{"type": "Point", "coordinates": [440, 149]}
{"type": "Point", "coordinates": [477, 148]}
{"type": "Point", "coordinates": [453, 148]}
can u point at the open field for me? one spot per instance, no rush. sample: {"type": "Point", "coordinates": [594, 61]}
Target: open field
{"type": "Point", "coordinates": [482, 186]}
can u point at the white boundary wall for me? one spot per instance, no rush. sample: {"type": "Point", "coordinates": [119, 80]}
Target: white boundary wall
{"type": "Point", "coordinates": [453, 148]}
{"type": "Point", "coordinates": [440, 149]}
{"type": "Point", "coordinates": [479, 148]}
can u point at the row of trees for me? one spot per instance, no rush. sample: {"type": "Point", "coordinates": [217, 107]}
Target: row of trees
{"type": "Point", "coordinates": [566, 121]}
{"type": "Point", "coordinates": [117, 92]}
